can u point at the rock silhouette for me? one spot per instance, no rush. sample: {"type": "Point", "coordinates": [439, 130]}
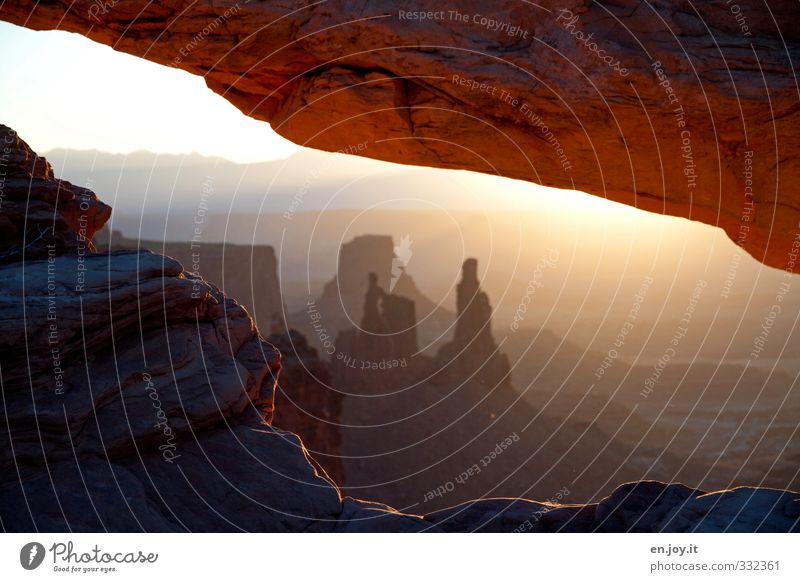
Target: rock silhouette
{"type": "Point", "coordinates": [382, 353]}
{"type": "Point", "coordinates": [341, 305]}
{"type": "Point", "coordinates": [473, 354]}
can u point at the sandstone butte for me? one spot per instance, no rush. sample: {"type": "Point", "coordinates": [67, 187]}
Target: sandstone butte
{"type": "Point", "coordinates": [681, 108]}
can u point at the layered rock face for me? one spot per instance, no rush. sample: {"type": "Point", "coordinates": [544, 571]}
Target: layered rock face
{"type": "Point", "coordinates": [137, 396]}
{"type": "Point", "coordinates": [307, 403]}
{"type": "Point", "coordinates": [672, 107]}
{"type": "Point", "coordinates": [247, 272]}
{"type": "Point", "coordinates": [41, 216]}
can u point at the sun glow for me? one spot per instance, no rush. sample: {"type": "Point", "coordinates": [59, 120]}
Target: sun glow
{"type": "Point", "coordinates": [70, 92]}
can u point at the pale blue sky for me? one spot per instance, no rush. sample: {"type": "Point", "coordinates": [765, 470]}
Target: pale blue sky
{"type": "Point", "coordinates": [62, 90]}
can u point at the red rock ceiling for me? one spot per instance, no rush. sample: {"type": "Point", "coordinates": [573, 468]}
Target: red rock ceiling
{"type": "Point", "coordinates": [689, 109]}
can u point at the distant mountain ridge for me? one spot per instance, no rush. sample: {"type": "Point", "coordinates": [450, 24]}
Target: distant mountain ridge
{"type": "Point", "coordinates": [313, 178]}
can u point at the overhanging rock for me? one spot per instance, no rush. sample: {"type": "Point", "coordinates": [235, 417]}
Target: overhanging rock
{"type": "Point", "coordinates": [688, 109]}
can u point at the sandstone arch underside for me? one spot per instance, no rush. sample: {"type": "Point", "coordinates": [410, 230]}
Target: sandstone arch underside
{"type": "Point", "coordinates": [689, 109]}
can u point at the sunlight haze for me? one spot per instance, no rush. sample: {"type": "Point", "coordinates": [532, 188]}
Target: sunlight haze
{"type": "Point", "coordinates": [166, 110]}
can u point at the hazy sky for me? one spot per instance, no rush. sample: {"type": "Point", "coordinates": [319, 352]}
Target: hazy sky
{"type": "Point", "coordinates": [62, 90]}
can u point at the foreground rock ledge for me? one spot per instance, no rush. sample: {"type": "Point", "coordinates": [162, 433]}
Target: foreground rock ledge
{"type": "Point", "coordinates": [674, 107]}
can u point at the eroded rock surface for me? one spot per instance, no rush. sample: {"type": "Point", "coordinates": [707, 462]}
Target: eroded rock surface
{"type": "Point", "coordinates": [247, 272]}
{"type": "Point", "coordinates": [680, 108]}
{"type": "Point", "coordinates": [307, 404]}
{"type": "Point", "coordinates": [41, 216]}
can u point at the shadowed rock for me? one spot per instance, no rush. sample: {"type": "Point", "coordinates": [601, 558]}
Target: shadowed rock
{"type": "Point", "coordinates": [473, 353]}
{"type": "Point", "coordinates": [41, 216]}
{"type": "Point", "coordinates": [382, 352]}
{"type": "Point", "coordinates": [349, 299]}
{"type": "Point", "coordinates": [247, 272]}
{"type": "Point", "coordinates": [307, 403]}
